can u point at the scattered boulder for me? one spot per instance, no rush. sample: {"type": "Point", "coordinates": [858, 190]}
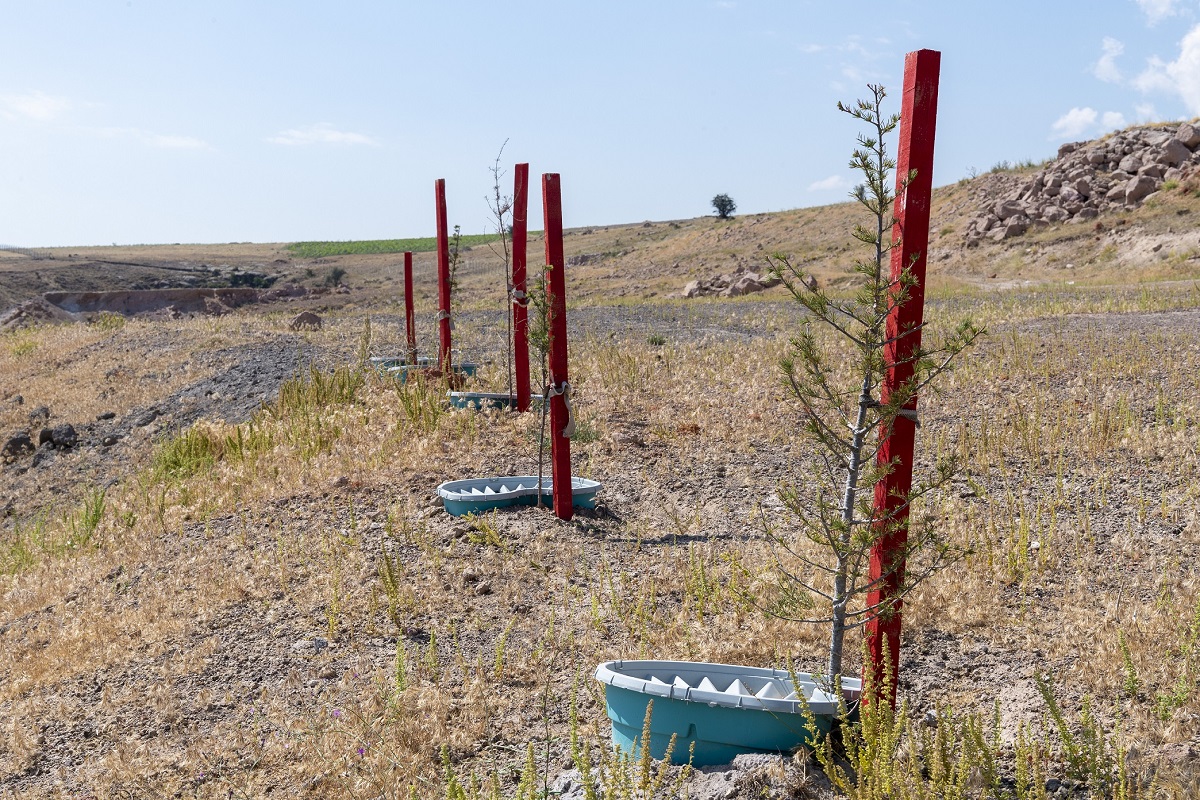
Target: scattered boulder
{"type": "Point", "coordinates": [18, 444]}
{"type": "Point", "coordinates": [1139, 188]}
{"type": "Point", "coordinates": [147, 417]}
{"type": "Point", "coordinates": [39, 414]}
{"type": "Point", "coordinates": [64, 436]}
{"type": "Point", "coordinates": [61, 436]}
{"type": "Point", "coordinates": [305, 321]}
{"type": "Point", "coordinates": [1189, 135]}
{"type": "Point", "coordinates": [735, 284]}
{"type": "Point", "coordinates": [288, 291]}
{"type": "Point", "coordinates": [31, 313]}
{"type": "Point", "coordinates": [1174, 153]}
{"type": "Point", "coordinates": [1088, 178]}
{"type": "Point", "coordinates": [43, 455]}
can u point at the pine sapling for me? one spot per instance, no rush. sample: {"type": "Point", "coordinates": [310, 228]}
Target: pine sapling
{"type": "Point", "coordinates": [835, 371]}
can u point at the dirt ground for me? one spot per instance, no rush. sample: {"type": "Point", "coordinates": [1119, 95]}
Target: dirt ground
{"type": "Point", "coordinates": [231, 632]}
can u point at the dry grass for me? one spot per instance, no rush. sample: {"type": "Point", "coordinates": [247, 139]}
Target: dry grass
{"type": "Point", "coordinates": [634, 262]}
{"type": "Point", "coordinates": [177, 648]}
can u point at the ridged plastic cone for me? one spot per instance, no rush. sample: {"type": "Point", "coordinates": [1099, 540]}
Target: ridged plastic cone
{"type": "Point", "coordinates": [769, 692]}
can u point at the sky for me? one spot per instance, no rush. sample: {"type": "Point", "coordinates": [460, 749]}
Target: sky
{"type": "Point", "coordinates": [161, 121]}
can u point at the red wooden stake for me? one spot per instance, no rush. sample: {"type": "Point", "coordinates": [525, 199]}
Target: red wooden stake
{"type": "Point", "coordinates": [443, 245]}
{"type": "Point", "coordinates": [520, 303]}
{"type": "Point", "coordinates": [918, 115]}
{"type": "Point", "coordinates": [410, 325]}
{"type": "Point", "coordinates": [560, 415]}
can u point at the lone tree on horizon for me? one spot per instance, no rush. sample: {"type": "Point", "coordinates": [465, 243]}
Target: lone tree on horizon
{"type": "Point", "coordinates": [724, 206]}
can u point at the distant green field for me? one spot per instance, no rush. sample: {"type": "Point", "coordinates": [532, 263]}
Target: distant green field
{"type": "Point", "coordinates": [428, 244]}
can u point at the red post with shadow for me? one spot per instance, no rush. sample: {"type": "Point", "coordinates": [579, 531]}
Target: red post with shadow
{"type": "Point", "coordinates": [410, 324]}
{"type": "Point", "coordinates": [443, 246]}
{"type": "Point", "coordinates": [520, 302]}
{"type": "Point", "coordinates": [918, 117]}
{"type": "Point", "coordinates": [558, 393]}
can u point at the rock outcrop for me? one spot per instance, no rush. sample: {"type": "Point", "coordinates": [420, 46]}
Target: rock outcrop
{"type": "Point", "coordinates": [306, 321]}
{"type": "Point", "coordinates": [734, 284]}
{"type": "Point", "coordinates": [179, 301]}
{"type": "Point", "coordinates": [156, 303]}
{"type": "Point", "coordinates": [1089, 178]}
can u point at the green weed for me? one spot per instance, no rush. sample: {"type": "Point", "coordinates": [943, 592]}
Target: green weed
{"type": "Point", "coordinates": [190, 453]}
{"type": "Point", "coordinates": [420, 245]}
{"type": "Point", "coordinates": [108, 321]}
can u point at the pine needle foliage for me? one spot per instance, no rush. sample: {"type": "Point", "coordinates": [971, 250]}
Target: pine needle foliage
{"type": "Point", "coordinates": [835, 371]}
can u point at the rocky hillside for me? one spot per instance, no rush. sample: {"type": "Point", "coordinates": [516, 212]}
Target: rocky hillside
{"type": "Point", "coordinates": [1137, 191]}
{"type": "Point", "coordinates": [1116, 173]}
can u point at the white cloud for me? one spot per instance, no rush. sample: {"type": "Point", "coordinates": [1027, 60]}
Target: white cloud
{"type": "Point", "coordinates": [1106, 68]}
{"type": "Point", "coordinates": [320, 133]}
{"type": "Point", "coordinates": [33, 105]}
{"type": "Point", "coordinates": [1158, 10]}
{"type": "Point", "coordinates": [1145, 112]}
{"type": "Point", "coordinates": [832, 182]}
{"type": "Point", "coordinates": [1073, 123]}
{"type": "Point", "coordinates": [1113, 121]}
{"type": "Point", "coordinates": [1181, 76]}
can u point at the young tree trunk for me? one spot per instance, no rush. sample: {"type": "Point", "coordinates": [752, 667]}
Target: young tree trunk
{"type": "Point", "coordinates": [841, 595]}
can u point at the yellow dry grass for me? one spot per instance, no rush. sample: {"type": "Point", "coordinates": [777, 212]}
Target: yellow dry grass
{"type": "Point", "coordinates": [277, 607]}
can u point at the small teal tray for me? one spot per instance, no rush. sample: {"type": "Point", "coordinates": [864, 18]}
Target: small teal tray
{"type": "Point", "coordinates": [480, 400]}
{"type": "Point", "coordinates": [476, 495]}
{"type": "Point", "coordinates": [383, 363]}
{"type": "Point", "coordinates": [715, 711]}
{"type": "Point", "coordinates": [400, 372]}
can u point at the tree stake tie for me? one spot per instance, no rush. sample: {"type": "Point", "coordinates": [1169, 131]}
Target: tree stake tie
{"type": "Point", "coordinates": [565, 394]}
{"type": "Point", "coordinates": [441, 315]}
{"type": "Point", "coordinates": [907, 413]}
{"type": "Point", "coordinates": [518, 297]}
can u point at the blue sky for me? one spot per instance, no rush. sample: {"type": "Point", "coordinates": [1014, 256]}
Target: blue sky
{"type": "Point", "coordinates": [133, 121]}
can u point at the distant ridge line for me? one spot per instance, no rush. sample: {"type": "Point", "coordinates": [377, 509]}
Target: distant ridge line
{"type": "Point", "coordinates": [25, 251]}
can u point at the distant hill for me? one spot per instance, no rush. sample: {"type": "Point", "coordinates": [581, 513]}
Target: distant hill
{"type": "Point", "coordinates": [1120, 209]}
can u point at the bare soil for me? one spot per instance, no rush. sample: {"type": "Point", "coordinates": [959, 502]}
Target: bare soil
{"type": "Point", "coordinates": [236, 642]}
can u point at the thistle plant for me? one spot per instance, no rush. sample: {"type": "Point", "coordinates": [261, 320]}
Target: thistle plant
{"type": "Point", "coordinates": [539, 341]}
{"type": "Point", "coordinates": [837, 381]}
{"type": "Point", "coordinates": [501, 207]}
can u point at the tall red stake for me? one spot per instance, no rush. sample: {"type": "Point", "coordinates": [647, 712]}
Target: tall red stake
{"type": "Point", "coordinates": [520, 303]}
{"type": "Point", "coordinates": [918, 115]}
{"type": "Point", "coordinates": [559, 390]}
{"type": "Point", "coordinates": [410, 325]}
{"type": "Point", "coordinates": [443, 245]}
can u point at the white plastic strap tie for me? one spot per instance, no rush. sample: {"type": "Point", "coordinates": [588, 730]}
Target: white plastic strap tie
{"type": "Point", "coordinates": [519, 297]}
{"type": "Point", "coordinates": [565, 394]}
{"type": "Point", "coordinates": [443, 314]}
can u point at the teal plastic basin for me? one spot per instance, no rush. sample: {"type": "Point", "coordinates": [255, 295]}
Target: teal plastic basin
{"type": "Point", "coordinates": [383, 363]}
{"type": "Point", "coordinates": [715, 711]}
{"type": "Point", "coordinates": [480, 400]}
{"type": "Point", "coordinates": [476, 495]}
{"type": "Point", "coordinates": [400, 371]}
